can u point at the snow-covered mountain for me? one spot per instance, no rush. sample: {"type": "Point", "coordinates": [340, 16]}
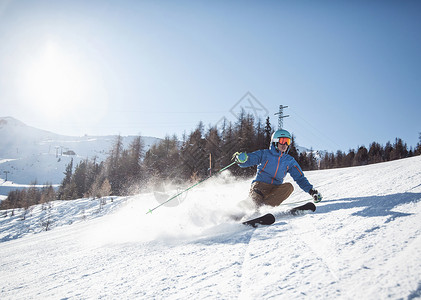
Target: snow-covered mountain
{"type": "Point", "coordinates": [363, 242]}
{"type": "Point", "coordinates": [28, 154]}
{"type": "Point", "coordinates": [318, 154]}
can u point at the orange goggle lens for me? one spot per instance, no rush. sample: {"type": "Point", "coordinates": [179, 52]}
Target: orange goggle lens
{"type": "Point", "coordinates": [284, 140]}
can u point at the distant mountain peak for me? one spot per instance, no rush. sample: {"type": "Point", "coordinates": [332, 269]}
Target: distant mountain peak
{"type": "Point", "coordinates": [10, 121]}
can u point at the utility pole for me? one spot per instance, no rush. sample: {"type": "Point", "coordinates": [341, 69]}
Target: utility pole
{"type": "Point", "coordinates": [210, 164]}
{"type": "Point", "coordinates": [281, 116]}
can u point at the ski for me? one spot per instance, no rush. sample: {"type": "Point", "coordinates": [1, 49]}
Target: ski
{"type": "Point", "coordinates": [297, 210]}
{"type": "Point", "coordinates": [269, 219]}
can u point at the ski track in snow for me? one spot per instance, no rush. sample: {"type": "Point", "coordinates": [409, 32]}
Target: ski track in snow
{"type": "Point", "coordinates": [363, 242]}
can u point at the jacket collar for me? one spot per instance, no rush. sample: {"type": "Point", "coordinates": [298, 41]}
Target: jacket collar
{"type": "Point", "coordinates": [276, 152]}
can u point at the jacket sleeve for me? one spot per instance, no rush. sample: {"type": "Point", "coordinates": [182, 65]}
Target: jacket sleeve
{"type": "Point", "coordinates": [298, 176]}
{"type": "Point", "coordinates": [254, 158]}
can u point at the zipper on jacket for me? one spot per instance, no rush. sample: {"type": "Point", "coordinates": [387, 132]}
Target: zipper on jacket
{"type": "Point", "coordinates": [277, 167]}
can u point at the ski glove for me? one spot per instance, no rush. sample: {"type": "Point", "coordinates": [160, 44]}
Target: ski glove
{"type": "Point", "coordinates": [316, 195]}
{"type": "Point", "coordinates": [240, 158]}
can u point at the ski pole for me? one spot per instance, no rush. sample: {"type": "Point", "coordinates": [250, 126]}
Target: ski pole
{"type": "Point", "coordinates": [189, 188]}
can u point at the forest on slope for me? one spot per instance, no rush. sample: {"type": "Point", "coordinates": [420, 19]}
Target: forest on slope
{"type": "Point", "coordinates": [129, 170]}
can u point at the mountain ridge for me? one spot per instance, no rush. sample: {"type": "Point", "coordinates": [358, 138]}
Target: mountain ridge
{"type": "Point", "coordinates": [29, 154]}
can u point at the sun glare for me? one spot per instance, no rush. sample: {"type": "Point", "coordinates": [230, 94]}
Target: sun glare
{"type": "Point", "coordinates": [56, 83]}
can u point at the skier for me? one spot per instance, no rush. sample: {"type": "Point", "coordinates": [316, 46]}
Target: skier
{"type": "Point", "coordinates": [273, 164]}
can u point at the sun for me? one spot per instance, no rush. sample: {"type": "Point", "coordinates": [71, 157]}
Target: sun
{"type": "Point", "coordinates": [55, 82]}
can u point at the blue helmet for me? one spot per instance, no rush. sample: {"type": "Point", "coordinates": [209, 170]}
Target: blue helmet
{"type": "Point", "coordinates": [281, 135]}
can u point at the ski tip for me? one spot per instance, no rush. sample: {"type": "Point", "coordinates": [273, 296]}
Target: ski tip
{"type": "Point", "coordinates": [312, 206]}
{"type": "Point", "coordinates": [309, 206]}
{"type": "Point", "coordinates": [267, 219]}
{"type": "Point", "coordinates": [271, 218]}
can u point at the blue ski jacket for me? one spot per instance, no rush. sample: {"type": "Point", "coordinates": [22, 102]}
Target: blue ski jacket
{"type": "Point", "coordinates": [272, 167]}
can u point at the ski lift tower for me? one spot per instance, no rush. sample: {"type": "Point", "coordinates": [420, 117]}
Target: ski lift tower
{"type": "Point", "coordinates": [281, 116]}
{"type": "Point", "coordinates": [6, 172]}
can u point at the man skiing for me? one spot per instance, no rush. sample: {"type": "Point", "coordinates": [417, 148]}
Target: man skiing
{"type": "Point", "coordinates": [272, 166]}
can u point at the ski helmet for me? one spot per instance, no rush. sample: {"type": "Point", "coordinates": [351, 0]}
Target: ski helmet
{"type": "Point", "coordinates": [279, 134]}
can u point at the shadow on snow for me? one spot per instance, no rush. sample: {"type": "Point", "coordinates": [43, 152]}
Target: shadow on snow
{"type": "Point", "coordinates": [374, 206]}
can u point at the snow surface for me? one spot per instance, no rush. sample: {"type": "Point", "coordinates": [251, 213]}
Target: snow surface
{"type": "Point", "coordinates": [363, 242]}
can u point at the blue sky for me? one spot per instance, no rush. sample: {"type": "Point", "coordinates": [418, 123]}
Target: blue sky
{"type": "Point", "coordinates": [349, 71]}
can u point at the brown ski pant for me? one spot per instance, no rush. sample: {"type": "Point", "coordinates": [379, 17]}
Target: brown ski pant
{"type": "Point", "coordinates": [268, 194]}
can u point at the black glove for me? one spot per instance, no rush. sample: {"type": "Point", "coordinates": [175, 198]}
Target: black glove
{"type": "Point", "coordinates": [316, 195]}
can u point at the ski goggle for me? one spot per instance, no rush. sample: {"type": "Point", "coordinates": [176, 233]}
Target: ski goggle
{"type": "Point", "coordinates": [283, 140]}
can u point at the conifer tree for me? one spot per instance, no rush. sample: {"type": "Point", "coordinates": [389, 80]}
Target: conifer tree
{"type": "Point", "coordinates": [350, 158]}
{"type": "Point", "coordinates": [213, 147]}
{"type": "Point", "coordinates": [193, 154]}
{"type": "Point", "coordinates": [79, 179]}
{"type": "Point", "coordinates": [292, 148]}
{"type": "Point", "coordinates": [260, 136]}
{"type": "Point", "coordinates": [400, 150]}
{"type": "Point", "coordinates": [339, 160]}
{"type": "Point", "coordinates": [304, 161]}
{"type": "Point", "coordinates": [375, 153]}
{"type": "Point", "coordinates": [229, 144]}
{"type": "Point", "coordinates": [105, 189]}
{"type": "Point", "coordinates": [114, 166]}
{"type": "Point", "coordinates": [268, 132]}
{"type": "Point", "coordinates": [417, 150]}
{"type": "Point", "coordinates": [387, 151]}
{"type": "Point", "coordinates": [312, 160]}
{"type": "Point", "coordinates": [136, 152]}
{"type": "Point", "coordinates": [66, 180]}
{"type": "Point", "coordinates": [361, 157]}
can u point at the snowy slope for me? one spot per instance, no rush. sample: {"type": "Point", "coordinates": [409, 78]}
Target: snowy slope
{"type": "Point", "coordinates": [28, 154]}
{"type": "Point", "coordinates": [363, 242]}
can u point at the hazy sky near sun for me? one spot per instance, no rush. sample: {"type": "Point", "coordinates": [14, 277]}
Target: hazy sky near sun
{"type": "Point", "coordinates": [349, 71]}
